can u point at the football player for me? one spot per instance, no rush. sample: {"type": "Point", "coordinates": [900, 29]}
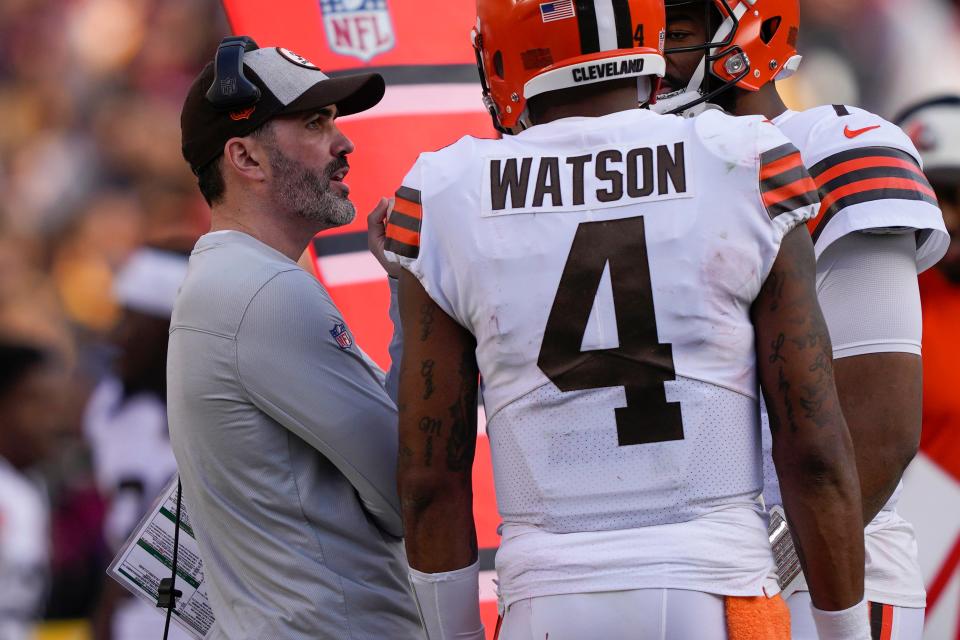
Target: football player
{"type": "Point", "coordinates": [621, 280]}
{"type": "Point", "coordinates": [878, 227]}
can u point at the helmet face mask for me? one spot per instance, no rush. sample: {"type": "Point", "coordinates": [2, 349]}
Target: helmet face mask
{"type": "Point", "coordinates": [527, 48]}
{"type": "Point", "coordinates": [750, 43]}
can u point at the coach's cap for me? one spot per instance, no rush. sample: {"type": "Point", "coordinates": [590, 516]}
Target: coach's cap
{"type": "Point", "coordinates": [934, 127]}
{"type": "Point", "coordinates": [288, 83]}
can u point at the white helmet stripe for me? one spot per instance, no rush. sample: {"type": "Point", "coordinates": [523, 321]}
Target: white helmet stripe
{"type": "Point", "coordinates": [606, 24]}
{"type": "Point", "coordinates": [727, 25]}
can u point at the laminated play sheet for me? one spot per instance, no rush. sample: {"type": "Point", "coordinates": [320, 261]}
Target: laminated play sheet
{"type": "Point", "coordinates": [147, 557]}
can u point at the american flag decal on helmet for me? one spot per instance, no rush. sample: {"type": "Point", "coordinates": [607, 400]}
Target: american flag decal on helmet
{"type": "Point", "coordinates": [558, 10]}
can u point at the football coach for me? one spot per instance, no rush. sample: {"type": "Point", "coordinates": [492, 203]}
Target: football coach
{"type": "Point", "coordinates": [285, 439]}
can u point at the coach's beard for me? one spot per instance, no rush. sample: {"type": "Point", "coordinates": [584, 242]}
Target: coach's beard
{"type": "Point", "coordinates": [306, 193]}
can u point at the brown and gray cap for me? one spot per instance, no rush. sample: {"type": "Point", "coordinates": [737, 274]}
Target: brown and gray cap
{"type": "Point", "coordinates": [288, 84]}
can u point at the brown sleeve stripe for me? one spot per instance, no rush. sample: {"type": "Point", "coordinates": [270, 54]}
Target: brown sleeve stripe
{"type": "Point", "coordinates": [830, 162]}
{"type": "Point", "coordinates": [785, 184]}
{"type": "Point", "coordinates": [872, 172]}
{"type": "Point", "coordinates": [773, 169]}
{"type": "Point", "coordinates": [868, 174]}
{"type": "Point", "coordinates": [777, 153]}
{"type": "Point", "coordinates": [805, 199]}
{"type": "Point", "coordinates": [783, 179]}
{"type": "Point", "coordinates": [404, 221]}
{"type": "Point", "coordinates": [402, 248]}
{"type": "Point", "coordinates": [832, 207]}
{"type": "Point", "coordinates": [403, 226]}
{"type": "Point", "coordinates": [409, 194]}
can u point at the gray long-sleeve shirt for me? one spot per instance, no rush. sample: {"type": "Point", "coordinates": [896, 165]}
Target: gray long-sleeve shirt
{"type": "Point", "coordinates": [286, 444]}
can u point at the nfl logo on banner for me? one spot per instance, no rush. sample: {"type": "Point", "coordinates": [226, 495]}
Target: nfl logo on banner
{"type": "Point", "coordinates": [341, 335]}
{"type": "Point", "coordinates": [359, 28]}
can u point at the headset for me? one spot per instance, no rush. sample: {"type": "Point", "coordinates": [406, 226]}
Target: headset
{"type": "Point", "coordinates": [230, 88]}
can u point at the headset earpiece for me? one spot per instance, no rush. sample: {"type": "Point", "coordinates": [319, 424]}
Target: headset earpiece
{"type": "Point", "coordinates": [230, 88]}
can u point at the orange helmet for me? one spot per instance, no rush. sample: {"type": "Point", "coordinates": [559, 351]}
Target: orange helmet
{"type": "Point", "coordinates": [755, 43]}
{"type": "Point", "coordinates": [528, 47]}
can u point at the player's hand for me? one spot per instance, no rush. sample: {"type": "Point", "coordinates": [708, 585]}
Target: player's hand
{"type": "Point", "coordinates": [377, 235]}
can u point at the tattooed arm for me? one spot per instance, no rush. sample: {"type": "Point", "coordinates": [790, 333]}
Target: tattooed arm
{"type": "Point", "coordinates": [812, 449]}
{"type": "Point", "coordinates": [438, 434]}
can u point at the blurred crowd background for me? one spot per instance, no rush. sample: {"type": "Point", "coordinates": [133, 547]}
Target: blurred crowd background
{"type": "Point", "coordinates": [90, 171]}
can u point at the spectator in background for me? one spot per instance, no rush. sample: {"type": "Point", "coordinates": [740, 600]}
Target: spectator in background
{"type": "Point", "coordinates": [90, 166]}
{"type": "Point", "coordinates": [934, 126]}
{"type": "Point", "coordinates": [24, 529]}
{"type": "Point", "coordinates": [33, 365]}
{"type": "Point", "coordinates": [125, 423]}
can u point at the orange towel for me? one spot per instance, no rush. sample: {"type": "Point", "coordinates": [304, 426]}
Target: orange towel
{"type": "Point", "coordinates": [757, 618]}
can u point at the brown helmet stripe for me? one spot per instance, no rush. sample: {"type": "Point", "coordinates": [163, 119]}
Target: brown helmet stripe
{"type": "Point", "coordinates": [587, 22]}
{"type": "Point", "coordinates": [621, 12]}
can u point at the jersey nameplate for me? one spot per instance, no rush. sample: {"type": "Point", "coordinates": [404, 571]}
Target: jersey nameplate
{"type": "Point", "coordinates": [605, 178]}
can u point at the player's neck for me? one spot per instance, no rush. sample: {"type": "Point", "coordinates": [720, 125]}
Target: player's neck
{"type": "Point", "coordinates": [766, 102]}
{"type": "Point", "coordinates": [595, 105]}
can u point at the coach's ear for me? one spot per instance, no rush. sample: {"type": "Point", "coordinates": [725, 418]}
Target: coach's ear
{"type": "Point", "coordinates": [246, 159]}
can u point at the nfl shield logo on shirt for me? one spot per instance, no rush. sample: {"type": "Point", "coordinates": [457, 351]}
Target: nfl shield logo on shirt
{"type": "Point", "coordinates": [359, 28]}
{"type": "Point", "coordinates": [341, 335]}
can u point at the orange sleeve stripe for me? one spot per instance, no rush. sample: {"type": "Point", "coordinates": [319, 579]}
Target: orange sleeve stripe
{"type": "Point", "coordinates": [792, 190]}
{"type": "Point", "coordinates": [873, 184]}
{"type": "Point", "coordinates": [866, 163]}
{"type": "Point", "coordinates": [409, 208]}
{"type": "Point", "coordinates": [403, 235]}
{"type": "Point", "coordinates": [777, 167]}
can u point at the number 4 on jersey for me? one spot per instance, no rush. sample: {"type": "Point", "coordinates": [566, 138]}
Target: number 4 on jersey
{"type": "Point", "coordinates": [640, 364]}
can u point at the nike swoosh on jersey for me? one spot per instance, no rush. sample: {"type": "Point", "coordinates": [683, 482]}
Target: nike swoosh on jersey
{"type": "Point", "coordinates": [853, 133]}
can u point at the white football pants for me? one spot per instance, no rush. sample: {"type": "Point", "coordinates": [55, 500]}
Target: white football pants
{"type": "Point", "coordinates": [642, 614]}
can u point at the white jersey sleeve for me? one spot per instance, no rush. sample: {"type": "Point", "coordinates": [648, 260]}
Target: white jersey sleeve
{"type": "Point", "coordinates": [870, 178]}
{"type": "Point", "coordinates": [407, 230]}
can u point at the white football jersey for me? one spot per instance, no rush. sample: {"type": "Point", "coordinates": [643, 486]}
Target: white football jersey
{"type": "Point", "coordinates": [870, 179]}
{"type": "Point", "coordinates": [606, 267]}
{"type": "Point", "coordinates": [132, 457]}
{"type": "Point", "coordinates": [132, 463]}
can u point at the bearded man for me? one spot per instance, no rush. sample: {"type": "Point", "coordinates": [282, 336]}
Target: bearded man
{"type": "Point", "coordinates": [285, 439]}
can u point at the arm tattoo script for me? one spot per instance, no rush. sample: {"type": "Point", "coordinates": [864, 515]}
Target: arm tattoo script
{"type": "Point", "coordinates": [426, 372]}
{"type": "Point", "coordinates": [429, 427]}
{"type": "Point", "coordinates": [426, 321]}
{"type": "Point", "coordinates": [463, 440]}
